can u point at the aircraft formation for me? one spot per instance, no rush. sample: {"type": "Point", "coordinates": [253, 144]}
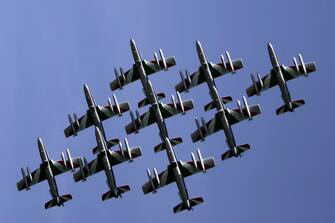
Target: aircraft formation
{"type": "Point", "coordinates": [157, 113]}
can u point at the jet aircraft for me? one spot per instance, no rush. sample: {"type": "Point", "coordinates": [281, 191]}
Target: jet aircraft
{"type": "Point", "coordinates": [47, 171]}
{"type": "Point", "coordinates": [95, 115]}
{"type": "Point", "coordinates": [224, 118]}
{"type": "Point", "coordinates": [176, 170]}
{"type": "Point", "coordinates": [105, 160]}
{"type": "Point", "coordinates": [279, 75]}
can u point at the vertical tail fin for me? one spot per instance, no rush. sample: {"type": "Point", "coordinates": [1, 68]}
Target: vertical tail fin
{"type": "Point", "coordinates": [294, 104]}
{"type": "Point", "coordinates": [111, 194]}
{"type": "Point", "coordinates": [58, 201]}
{"type": "Point", "coordinates": [192, 202]}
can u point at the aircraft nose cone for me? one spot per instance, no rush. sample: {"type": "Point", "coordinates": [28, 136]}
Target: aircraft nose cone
{"type": "Point", "coordinates": [132, 42]}
{"type": "Point", "coordinates": [273, 56]}
{"type": "Point", "coordinates": [86, 90]}
{"type": "Point", "coordinates": [134, 50]}
{"type": "Point", "coordinates": [39, 141]}
{"type": "Point", "coordinates": [201, 53]}
{"type": "Point", "coordinates": [97, 131]}
{"type": "Point", "coordinates": [198, 44]}
{"type": "Point", "coordinates": [86, 87]}
{"type": "Point", "coordinates": [199, 47]}
{"type": "Point", "coordinates": [98, 134]}
{"type": "Point", "coordinates": [133, 45]}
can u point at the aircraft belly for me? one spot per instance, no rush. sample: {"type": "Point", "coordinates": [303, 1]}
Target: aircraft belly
{"type": "Point", "coordinates": [51, 181]}
{"type": "Point", "coordinates": [282, 86]}
{"type": "Point", "coordinates": [180, 184]}
{"type": "Point", "coordinates": [109, 173]}
{"type": "Point", "coordinates": [96, 118]}
{"type": "Point", "coordinates": [228, 131]}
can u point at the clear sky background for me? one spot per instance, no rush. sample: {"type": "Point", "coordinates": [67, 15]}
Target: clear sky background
{"type": "Point", "coordinates": [49, 49]}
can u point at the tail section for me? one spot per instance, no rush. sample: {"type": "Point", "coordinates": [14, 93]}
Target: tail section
{"type": "Point", "coordinates": [111, 194]}
{"type": "Point", "coordinates": [294, 104]}
{"type": "Point", "coordinates": [191, 203]}
{"type": "Point", "coordinates": [173, 141]}
{"type": "Point", "coordinates": [58, 201]}
{"type": "Point", "coordinates": [146, 101]}
{"type": "Point", "coordinates": [211, 105]}
{"type": "Point", "coordinates": [235, 152]}
{"type": "Point", "coordinates": [110, 143]}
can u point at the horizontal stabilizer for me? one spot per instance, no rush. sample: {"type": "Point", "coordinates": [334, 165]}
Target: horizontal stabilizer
{"type": "Point", "coordinates": [110, 143]}
{"type": "Point", "coordinates": [146, 101]}
{"type": "Point", "coordinates": [294, 104]}
{"type": "Point", "coordinates": [62, 199]}
{"type": "Point", "coordinates": [111, 194]}
{"type": "Point", "coordinates": [211, 104]}
{"type": "Point", "coordinates": [161, 146]}
{"type": "Point", "coordinates": [192, 202]}
{"type": "Point", "coordinates": [237, 152]}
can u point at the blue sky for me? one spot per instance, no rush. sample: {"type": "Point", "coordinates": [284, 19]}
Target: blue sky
{"type": "Point", "coordinates": [49, 49]}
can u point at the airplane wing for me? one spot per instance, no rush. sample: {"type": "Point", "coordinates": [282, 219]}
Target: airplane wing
{"type": "Point", "coordinates": [114, 157]}
{"type": "Point", "coordinates": [38, 175]}
{"type": "Point", "coordinates": [59, 167]}
{"type": "Point", "coordinates": [144, 120]}
{"type": "Point", "coordinates": [268, 81]}
{"type": "Point", "coordinates": [117, 157]}
{"type": "Point", "coordinates": [132, 75]}
{"type": "Point", "coordinates": [166, 177]}
{"type": "Point", "coordinates": [104, 112]}
{"type": "Point", "coordinates": [198, 77]}
{"type": "Point", "coordinates": [195, 79]}
{"type": "Point", "coordinates": [220, 69]}
{"type": "Point", "coordinates": [84, 122]}
{"type": "Point", "coordinates": [291, 72]}
{"type": "Point", "coordinates": [186, 168]}
{"type": "Point", "coordinates": [235, 116]}
{"type": "Point", "coordinates": [152, 66]}
{"type": "Point", "coordinates": [212, 126]}
{"type": "Point", "coordinates": [169, 110]}
{"type": "Point", "coordinates": [93, 167]}
{"type": "Point", "coordinates": [189, 168]}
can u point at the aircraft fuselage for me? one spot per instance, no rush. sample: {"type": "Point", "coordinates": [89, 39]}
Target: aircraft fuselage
{"type": "Point", "coordinates": [177, 174]}
{"type": "Point", "coordinates": [152, 97]}
{"type": "Point", "coordinates": [93, 110]}
{"type": "Point", "coordinates": [46, 168]}
{"type": "Point", "coordinates": [216, 98]}
{"type": "Point", "coordinates": [277, 69]}
{"type": "Point", "coordinates": [109, 173]}
{"type": "Point", "coordinates": [107, 167]}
